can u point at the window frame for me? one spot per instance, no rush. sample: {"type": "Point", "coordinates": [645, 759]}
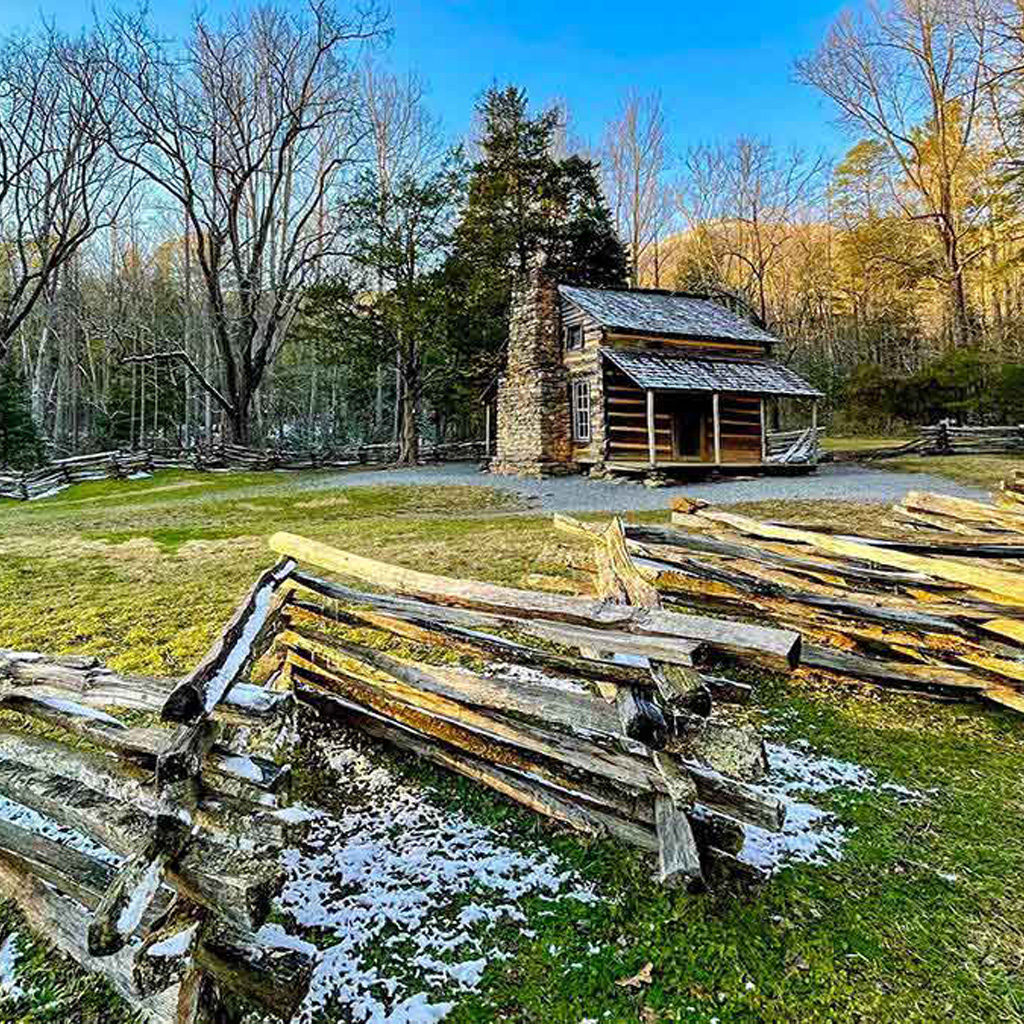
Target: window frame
{"type": "Point", "coordinates": [572, 337]}
{"type": "Point", "coordinates": [581, 413]}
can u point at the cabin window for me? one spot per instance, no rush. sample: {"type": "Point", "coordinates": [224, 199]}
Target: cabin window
{"type": "Point", "coordinates": [572, 337]}
{"type": "Point", "coordinates": [581, 410]}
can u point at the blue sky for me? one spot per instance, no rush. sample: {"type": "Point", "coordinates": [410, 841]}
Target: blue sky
{"type": "Point", "coordinates": [723, 68]}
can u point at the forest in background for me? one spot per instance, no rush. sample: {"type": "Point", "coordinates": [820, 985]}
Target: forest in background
{"type": "Point", "coordinates": [260, 234]}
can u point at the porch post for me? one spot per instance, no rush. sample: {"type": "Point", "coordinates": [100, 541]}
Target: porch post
{"type": "Point", "coordinates": [718, 429]}
{"type": "Point", "coordinates": [487, 430]}
{"type": "Point", "coordinates": [814, 430]}
{"type": "Point", "coordinates": [764, 435]}
{"type": "Point", "coordinates": [651, 447]}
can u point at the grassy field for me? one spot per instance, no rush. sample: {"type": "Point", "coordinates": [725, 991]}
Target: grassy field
{"type": "Point", "coordinates": [859, 443]}
{"type": "Point", "coordinates": [975, 470]}
{"type": "Point", "coordinates": [921, 920]}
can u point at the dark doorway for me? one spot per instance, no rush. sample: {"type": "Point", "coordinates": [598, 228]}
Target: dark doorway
{"type": "Point", "coordinates": [691, 414]}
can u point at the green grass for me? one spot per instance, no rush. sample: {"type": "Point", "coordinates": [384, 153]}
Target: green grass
{"type": "Point", "coordinates": [923, 919]}
{"type": "Point", "coordinates": [976, 470]}
{"type": "Point", "coordinates": [859, 443]}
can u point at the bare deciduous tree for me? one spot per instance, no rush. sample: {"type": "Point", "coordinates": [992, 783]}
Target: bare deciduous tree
{"type": "Point", "coordinates": [253, 131]}
{"type": "Point", "coordinates": [743, 200]}
{"type": "Point", "coordinates": [916, 77]}
{"type": "Point", "coordinates": [60, 183]}
{"type": "Point", "coordinates": [634, 162]}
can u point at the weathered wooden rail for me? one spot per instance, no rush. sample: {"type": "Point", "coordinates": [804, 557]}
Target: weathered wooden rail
{"type": "Point", "coordinates": [599, 713]}
{"type": "Point", "coordinates": [936, 606]}
{"type": "Point", "coordinates": [946, 439]}
{"type": "Point", "coordinates": [120, 465]}
{"type": "Point", "coordinates": [593, 712]}
{"type": "Point", "coordinates": [165, 860]}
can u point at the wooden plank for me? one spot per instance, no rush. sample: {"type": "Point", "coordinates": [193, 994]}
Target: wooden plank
{"type": "Point", "coordinates": [678, 859]}
{"type": "Point", "coordinates": [651, 441]}
{"type": "Point", "coordinates": [717, 427]}
{"type": "Point", "coordinates": [459, 623]}
{"type": "Point", "coordinates": [545, 702]}
{"type": "Point", "coordinates": [999, 582]}
{"type": "Point", "coordinates": [231, 655]}
{"type": "Point", "coordinates": [778, 646]}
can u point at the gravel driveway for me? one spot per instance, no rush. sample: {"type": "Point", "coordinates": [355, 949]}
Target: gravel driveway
{"type": "Point", "coordinates": [840, 481]}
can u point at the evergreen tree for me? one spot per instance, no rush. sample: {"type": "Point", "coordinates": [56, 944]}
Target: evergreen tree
{"type": "Point", "coordinates": [21, 447]}
{"type": "Point", "coordinates": [522, 201]}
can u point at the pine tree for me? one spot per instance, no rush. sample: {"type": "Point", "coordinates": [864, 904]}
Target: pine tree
{"type": "Point", "coordinates": [21, 446]}
{"type": "Point", "coordinates": [522, 201]}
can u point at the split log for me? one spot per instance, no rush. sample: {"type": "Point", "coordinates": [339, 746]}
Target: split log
{"type": "Point", "coordinates": [164, 957]}
{"type": "Point", "coordinates": [91, 684]}
{"type": "Point", "coordinates": [628, 647]}
{"type": "Point", "coordinates": [682, 688]}
{"type": "Point", "coordinates": [249, 965]}
{"type": "Point", "coordinates": [641, 719]}
{"type": "Point", "coordinates": [994, 580]}
{"type": "Point", "coordinates": [231, 655]}
{"type": "Point", "coordinates": [118, 813]}
{"type": "Point", "coordinates": [682, 790]}
{"type": "Point", "coordinates": [132, 893]}
{"type": "Point", "coordinates": [667, 538]}
{"type": "Point", "coordinates": [274, 977]}
{"type": "Point", "coordinates": [420, 734]}
{"type": "Point", "coordinates": [542, 700]}
{"type": "Point", "coordinates": [64, 922]}
{"type": "Point", "coordinates": [781, 646]}
{"type": "Point", "coordinates": [678, 858]}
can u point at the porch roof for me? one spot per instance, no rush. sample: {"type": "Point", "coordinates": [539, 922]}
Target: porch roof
{"type": "Point", "coordinates": [661, 371]}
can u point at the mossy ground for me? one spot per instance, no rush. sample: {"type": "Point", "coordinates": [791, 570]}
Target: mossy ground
{"type": "Point", "coordinates": [922, 920]}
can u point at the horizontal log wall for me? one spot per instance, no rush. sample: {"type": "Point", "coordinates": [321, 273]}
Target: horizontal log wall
{"type": "Point", "coordinates": [740, 419]}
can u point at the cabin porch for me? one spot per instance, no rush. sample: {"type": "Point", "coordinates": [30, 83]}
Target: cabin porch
{"type": "Point", "coordinates": [683, 430]}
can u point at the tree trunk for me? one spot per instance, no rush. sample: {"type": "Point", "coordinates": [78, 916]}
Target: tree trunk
{"type": "Point", "coordinates": [408, 446]}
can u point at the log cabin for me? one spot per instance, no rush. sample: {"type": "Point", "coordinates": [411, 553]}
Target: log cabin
{"type": "Point", "coordinates": [635, 380]}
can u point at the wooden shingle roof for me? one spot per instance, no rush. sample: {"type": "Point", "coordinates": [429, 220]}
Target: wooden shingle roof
{"type": "Point", "coordinates": [672, 314]}
{"type": "Point", "coordinates": [665, 371]}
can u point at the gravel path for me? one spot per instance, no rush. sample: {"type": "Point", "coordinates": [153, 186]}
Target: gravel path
{"type": "Point", "coordinates": [841, 481]}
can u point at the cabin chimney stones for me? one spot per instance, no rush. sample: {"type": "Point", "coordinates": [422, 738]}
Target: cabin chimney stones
{"type": "Point", "coordinates": [533, 435]}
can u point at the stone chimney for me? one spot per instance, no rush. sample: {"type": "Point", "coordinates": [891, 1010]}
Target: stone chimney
{"type": "Point", "coordinates": [533, 435]}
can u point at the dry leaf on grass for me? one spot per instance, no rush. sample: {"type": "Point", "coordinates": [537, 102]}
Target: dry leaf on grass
{"type": "Point", "coordinates": [642, 977]}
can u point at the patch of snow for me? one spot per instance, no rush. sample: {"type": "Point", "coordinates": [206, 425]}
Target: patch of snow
{"type": "Point", "coordinates": [9, 987]}
{"type": "Point", "coordinates": [131, 913]}
{"type": "Point", "coordinates": [70, 707]}
{"type": "Point", "coordinates": [410, 894]}
{"type": "Point", "coordinates": [242, 766]}
{"type": "Point", "coordinates": [809, 835]}
{"type": "Point", "coordinates": [25, 817]}
{"type": "Point", "coordinates": [140, 475]}
{"type": "Point", "coordinates": [295, 814]}
{"type": "Point", "coordinates": [174, 945]}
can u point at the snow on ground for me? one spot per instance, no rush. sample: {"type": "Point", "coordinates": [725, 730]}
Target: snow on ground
{"type": "Point", "coordinates": [809, 835]}
{"type": "Point", "coordinates": [9, 987]}
{"type": "Point", "coordinates": [25, 817]}
{"type": "Point", "coordinates": [409, 896]}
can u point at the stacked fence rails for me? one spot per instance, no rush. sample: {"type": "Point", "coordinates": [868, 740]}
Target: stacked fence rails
{"type": "Point", "coordinates": [792, 447]}
{"type": "Point", "coordinates": [151, 854]}
{"type": "Point", "coordinates": [591, 712]}
{"type": "Point", "coordinates": [933, 606]}
{"type": "Point", "coordinates": [945, 438]}
{"type": "Point", "coordinates": [121, 465]}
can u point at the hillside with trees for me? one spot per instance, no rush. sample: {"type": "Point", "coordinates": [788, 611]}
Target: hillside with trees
{"type": "Point", "coordinates": [259, 233]}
